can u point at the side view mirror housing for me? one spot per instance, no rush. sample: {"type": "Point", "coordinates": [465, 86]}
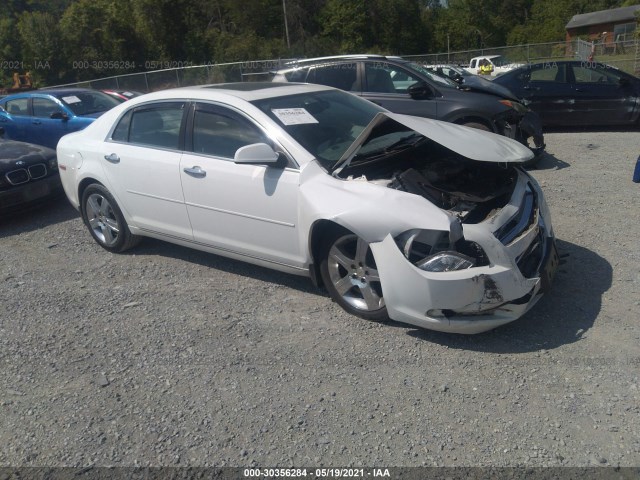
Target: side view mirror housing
{"type": "Point", "coordinates": [59, 116]}
{"type": "Point", "coordinates": [420, 90]}
{"type": "Point", "coordinates": [623, 82]}
{"type": "Point", "coordinates": [1, 132]}
{"type": "Point", "coordinates": [259, 154]}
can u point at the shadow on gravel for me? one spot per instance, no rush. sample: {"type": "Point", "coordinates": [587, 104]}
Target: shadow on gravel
{"type": "Point", "coordinates": [55, 211]}
{"type": "Point", "coordinates": [153, 247]}
{"type": "Point", "coordinates": [561, 317]}
{"type": "Point", "coordinates": [549, 162]}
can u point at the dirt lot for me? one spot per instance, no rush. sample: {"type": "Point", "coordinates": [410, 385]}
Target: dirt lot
{"type": "Point", "coordinates": [168, 356]}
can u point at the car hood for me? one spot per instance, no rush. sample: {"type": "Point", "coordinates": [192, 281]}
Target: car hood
{"type": "Point", "coordinates": [12, 152]}
{"type": "Point", "coordinates": [471, 143]}
{"type": "Point", "coordinates": [479, 84]}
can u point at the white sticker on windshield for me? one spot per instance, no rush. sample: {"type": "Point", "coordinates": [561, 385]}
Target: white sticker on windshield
{"type": "Point", "coordinates": [71, 99]}
{"type": "Point", "coordinates": [293, 116]}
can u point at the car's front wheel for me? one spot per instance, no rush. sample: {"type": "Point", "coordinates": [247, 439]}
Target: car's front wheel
{"type": "Point", "coordinates": [105, 221]}
{"type": "Point", "coordinates": [350, 275]}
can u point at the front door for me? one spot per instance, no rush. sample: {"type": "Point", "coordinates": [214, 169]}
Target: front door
{"type": "Point", "coordinates": [243, 209]}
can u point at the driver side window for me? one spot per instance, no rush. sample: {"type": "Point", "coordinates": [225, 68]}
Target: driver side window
{"type": "Point", "coordinates": [220, 134]}
{"type": "Point", "coordinates": [43, 107]}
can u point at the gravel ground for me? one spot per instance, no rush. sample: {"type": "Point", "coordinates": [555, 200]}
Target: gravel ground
{"type": "Point", "coordinates": [169, 356]}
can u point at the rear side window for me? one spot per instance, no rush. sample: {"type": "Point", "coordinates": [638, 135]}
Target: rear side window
{"type": "Point", "coordinates": [341, 75]}
{"type": "Point", "coordinates": [155, 126]}
{"type": "Point", "coordinates": [588, 73]}
{"type": "Point", "coordinates": [19, 106]}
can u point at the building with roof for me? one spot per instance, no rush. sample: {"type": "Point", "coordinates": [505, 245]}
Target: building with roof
{"type": "Point", "coordinates": [606, 26]}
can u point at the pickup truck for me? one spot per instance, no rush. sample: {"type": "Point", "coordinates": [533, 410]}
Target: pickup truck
{"type": "Point", "coordinates": [498, 62]}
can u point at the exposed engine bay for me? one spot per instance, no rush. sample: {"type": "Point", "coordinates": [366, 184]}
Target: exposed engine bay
{"type": "Point", "coordinates": [469, 189]}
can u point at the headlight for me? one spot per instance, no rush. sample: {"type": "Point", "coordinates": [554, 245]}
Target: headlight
{"type": "Point", "coordinates": [446, 262]}
{"type": "Point", "coordinates": [435, 251]}
{"type": "Point", "coordinates": [518, 107]}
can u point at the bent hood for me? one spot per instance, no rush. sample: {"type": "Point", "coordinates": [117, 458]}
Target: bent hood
{"type": "Point", "coordinates": [479, 84]}
{"type": "Point", "coordinates": [471, 143]}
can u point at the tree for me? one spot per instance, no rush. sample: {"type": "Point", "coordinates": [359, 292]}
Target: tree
{"type": "Point", "coordinates": [40, 48]}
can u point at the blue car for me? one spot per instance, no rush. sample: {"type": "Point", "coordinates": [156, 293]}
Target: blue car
{"type": "Point", "coordinates": [44, 116]}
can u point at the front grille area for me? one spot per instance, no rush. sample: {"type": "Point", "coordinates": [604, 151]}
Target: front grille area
{"type": "Point", "coordinates": [522, 221]}
{"type": "Point", "coordinates": [23, 175]}
{"type": "Point", "coordinates": [530, 260]}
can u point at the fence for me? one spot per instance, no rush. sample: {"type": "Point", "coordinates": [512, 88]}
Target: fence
{"type": "Point", "coordinates": [622, 54]}
{"type": "Point", "coordinates": [618, 54]}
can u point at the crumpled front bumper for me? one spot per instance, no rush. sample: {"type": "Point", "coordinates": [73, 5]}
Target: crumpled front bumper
{"type": "Point", "coordinates": [476, 299]}
{"type": "Point", "coordinates": [526, 129]}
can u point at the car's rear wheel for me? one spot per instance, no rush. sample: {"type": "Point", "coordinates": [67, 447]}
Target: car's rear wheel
{"type": "Point", "coordinates": [350, 275]}
{"type": "Point", "coordinates": [105, 221]}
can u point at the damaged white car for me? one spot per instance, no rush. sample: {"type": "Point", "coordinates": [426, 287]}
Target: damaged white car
{"type": "Point", "coordinates": [401, 217]}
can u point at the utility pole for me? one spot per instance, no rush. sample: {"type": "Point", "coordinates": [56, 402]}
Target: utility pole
{"type": "Point", "coordinates": [286, 26]}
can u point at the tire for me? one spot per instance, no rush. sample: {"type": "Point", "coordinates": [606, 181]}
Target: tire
{"type": "Point", "coordinates": [105, 221]}
{"type": "Point", "coordinates": [350, 275]}
{"type": "Point", "coordinates": [477, 125]}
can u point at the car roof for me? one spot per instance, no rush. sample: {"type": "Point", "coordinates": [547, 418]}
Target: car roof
{"type": "Point", "coordinates": [247, 91]}
{"type": "Point", "coordinates": [53, 91]}
{"type": "Point", "coordinates": [364, 56]}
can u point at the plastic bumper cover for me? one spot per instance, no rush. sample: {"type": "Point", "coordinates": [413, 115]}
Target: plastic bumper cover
{"type": "Point", "coordinates": [465, 301]}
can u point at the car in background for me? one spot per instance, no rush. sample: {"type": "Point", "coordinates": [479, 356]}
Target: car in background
{"type": "Point", "coordinates": [576, 93]}
{"type": "Point", "coordinates": [497, 65]}
{"type": "Point", "coordinates": [471, 82]}
{"type": "Point", "coordinates": [122, 95]}
{"type": "Point", "coordinates": [401, 217]}
{"type": "Point", "coordinates": [406, 87]}
{"type": "Point", "coordinates": [28, 175]}
{"type": "Point", "coordinates": [43, 116]}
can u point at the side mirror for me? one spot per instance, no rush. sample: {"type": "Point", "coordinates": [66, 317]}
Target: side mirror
{"type": "Point", "coordinates": [59, 116]}
{"type": "Point", "coordinates": [1, 131]}
{"type": "Point", "coordinates": [420, 90]}
{"type": "Point", "coordinates": [624, 82]}
{"type": "Point", "coordinates": [257, 154]}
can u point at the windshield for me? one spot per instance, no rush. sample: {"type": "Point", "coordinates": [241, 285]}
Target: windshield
{"type": "Point", "coordinates": [87, 103]}
{"type": "Point", "coordinates": [432, 76]}
{"type": "Point", "coordinates": [325, 123]}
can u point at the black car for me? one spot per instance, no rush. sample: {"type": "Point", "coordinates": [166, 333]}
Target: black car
{"type": "Point", "coordinates": [406, 87]}
{"type": "Point", "coordinates": [28, 175]}
{"type": "Point", "coordinates": [576, 93]}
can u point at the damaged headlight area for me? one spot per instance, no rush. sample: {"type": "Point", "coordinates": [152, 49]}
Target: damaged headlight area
{"type": "Point", "coordinates": [437, 251]}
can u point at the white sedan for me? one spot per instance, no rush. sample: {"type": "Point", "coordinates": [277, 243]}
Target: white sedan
{"type": "Point", "coordinates": [401, 217]}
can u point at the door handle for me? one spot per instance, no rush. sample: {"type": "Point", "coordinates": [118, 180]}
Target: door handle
{"type": "Point", "coordinates": [36, 122]}
{"type": "Point", "coordinates": [577, 89]}
{"type": "Point", "coordinates": [195, 172]}
{"type": "Point", "coordinates": [113, 158]}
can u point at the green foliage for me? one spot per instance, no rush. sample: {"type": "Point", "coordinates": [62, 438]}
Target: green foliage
{"type": "Point", "coordinates": [85, 39]}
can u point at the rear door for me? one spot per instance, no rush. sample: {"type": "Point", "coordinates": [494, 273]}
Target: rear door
{"type": "Point", "coordinates": [142, 165]}
{"type": "Point", "coordinates": [17, 120]}
{"type": "Point", "coordinates": [602, 98]}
